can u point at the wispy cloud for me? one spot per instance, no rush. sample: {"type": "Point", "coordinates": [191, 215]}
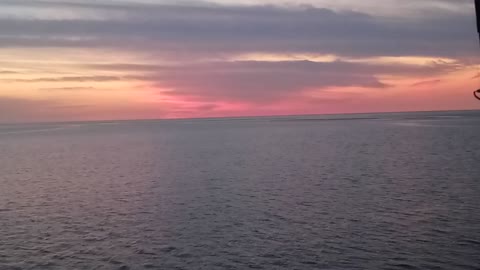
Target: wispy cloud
{"type": "Point", "coordinates": [66, 88]}
{"type": "Point", "coordinates": [8, 72]}
{"type": "Point", "coordinates": [74, 79]}
{"type": "Point", "coordinates": [426, 83]}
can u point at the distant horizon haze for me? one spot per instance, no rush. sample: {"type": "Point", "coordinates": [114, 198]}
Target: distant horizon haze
{"type": "Point", "coordinates": [320, 116]}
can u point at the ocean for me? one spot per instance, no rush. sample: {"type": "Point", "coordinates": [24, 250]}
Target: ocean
{"type": "Point", "coordinates": [366, 191]}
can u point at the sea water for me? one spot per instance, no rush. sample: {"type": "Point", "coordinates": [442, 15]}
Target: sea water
{"type": "Point", "coordinates": [372, 191]}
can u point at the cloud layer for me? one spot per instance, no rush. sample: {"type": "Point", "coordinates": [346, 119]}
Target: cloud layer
{"type": "Point", "coordinates": [215, 30]}
{"type": "Point", "coordinates": [201, 55]}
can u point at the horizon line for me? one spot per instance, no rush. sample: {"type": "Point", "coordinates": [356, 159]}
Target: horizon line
{"type": "Point", "coordinates": [240, 117]}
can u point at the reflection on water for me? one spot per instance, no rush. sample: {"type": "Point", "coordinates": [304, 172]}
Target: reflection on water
{"type": "Point", "coordinates": [332, 192]}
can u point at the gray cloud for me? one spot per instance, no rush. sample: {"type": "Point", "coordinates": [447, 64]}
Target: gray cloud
{"type": "Point", "coordinates": [342, 67]}
{"type": "Point", "coordinates": [258, 81]}
{"type": "Point", "coordinates": [266, 81]}
{"type": "Point", "coordinates": [214, 29]}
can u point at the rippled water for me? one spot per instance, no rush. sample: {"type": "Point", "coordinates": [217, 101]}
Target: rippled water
{"type": "Point", "coordinates": [391, 191]}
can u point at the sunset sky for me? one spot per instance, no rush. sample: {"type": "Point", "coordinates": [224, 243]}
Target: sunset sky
{"type": "Point", "coordinates": [65, 60]}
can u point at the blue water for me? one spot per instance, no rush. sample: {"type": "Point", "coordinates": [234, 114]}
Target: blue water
{"type": "Point", "coordinates": [375, 191]}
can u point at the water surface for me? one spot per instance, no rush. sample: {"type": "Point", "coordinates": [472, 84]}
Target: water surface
{"type": "Point", "coordinates": [377, 191]}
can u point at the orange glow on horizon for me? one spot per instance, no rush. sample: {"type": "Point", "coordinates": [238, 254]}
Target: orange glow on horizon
{"type": "Point", "coordinates": [123, 94]}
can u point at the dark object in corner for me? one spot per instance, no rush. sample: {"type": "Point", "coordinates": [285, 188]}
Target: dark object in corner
{"type": "Point", "coordinates": [477, 94]}
{"type": "Point", "coordinates": [477, 9]}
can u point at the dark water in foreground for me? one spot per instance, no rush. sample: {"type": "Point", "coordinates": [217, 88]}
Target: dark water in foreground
{"type": "Point", "coordinates": [391, 191]}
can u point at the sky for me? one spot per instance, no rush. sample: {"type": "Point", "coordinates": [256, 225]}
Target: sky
{"type": "Point", "coordinates": [65, 60]}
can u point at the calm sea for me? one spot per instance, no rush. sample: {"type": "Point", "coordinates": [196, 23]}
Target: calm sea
{"type": "Point", "coordinates": [372, 191]}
